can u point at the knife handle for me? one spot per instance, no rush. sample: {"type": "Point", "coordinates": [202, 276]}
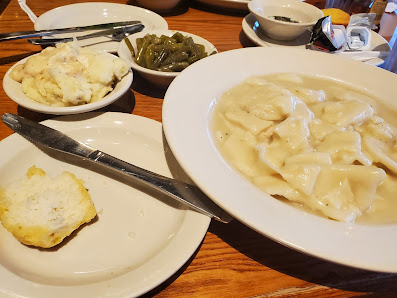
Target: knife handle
{"type": "Point", "coordinates": [48, 41]}
{"type": "Point", "coordinates": [183, 192]}
{"type": "Point", "coordinates": [30, 34]}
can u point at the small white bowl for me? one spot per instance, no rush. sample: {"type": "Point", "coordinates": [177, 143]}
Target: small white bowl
{"type": "Point", "coordinates": [160, 78]}
{"type": "Point", "coordinates": [14, 91]}
{"type": "Point", "coordinates": [264, 10]}
{"type": "Point", "coordinates": [159, 5]}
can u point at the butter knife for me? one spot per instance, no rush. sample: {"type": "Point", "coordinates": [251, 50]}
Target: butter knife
{"type": "Point", "coordinates": [30, 34]}
{"type": "Point", "coordinates": [185, 193]}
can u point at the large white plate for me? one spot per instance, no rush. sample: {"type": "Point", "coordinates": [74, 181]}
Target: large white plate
{"type": "Point", "coordinates": [187, 110]}
{"type": "Point", "coordinates": [254, 32]}
{"type": "Point", "coordinates": [91, 13]}
{"type": "Point", "coordinates": [140, 238]}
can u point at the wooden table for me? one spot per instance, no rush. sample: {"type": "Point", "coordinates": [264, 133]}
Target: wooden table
{"type": "Point", "coordinates": [233, 260]}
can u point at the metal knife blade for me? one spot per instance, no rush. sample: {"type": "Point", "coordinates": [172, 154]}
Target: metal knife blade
{"type": "Point", "coordinates": [185, 193]}
{"type": "Point", "coordinates": [128, 29]}
{"type": "Point", "coordinates": [30, 34]}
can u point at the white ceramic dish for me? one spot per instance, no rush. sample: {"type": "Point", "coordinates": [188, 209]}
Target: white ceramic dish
{"type": "Point", "coordinates": [253, 31]}
{"type": "Point", "coordinates": [187, 109]}
{"type": "Point", "coordinates": [90, 13]}
{"type": "Point", "coordinates": [140, 238]}
{"type": "Point", "coordinates": [14, 91]}
{"type": "Point", "coordinates": [159, 5]}
{"type": "Point", "coordinates": [158, 77]}
{"type": "Point", "coordinates": [304, 15]}
{"type": "Point", "coordinates": [233, 4]}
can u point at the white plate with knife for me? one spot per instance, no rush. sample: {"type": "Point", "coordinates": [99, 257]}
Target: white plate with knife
{"type": "Point", "coordinates": [91, 13]}
{"type": "Point", "coordinates": [140, 237]}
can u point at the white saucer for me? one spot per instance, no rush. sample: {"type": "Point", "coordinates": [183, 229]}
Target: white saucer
{"type": "Point", "coordinates": [253, 31]}
{"type": "Point", "coordinates": [140, 238]}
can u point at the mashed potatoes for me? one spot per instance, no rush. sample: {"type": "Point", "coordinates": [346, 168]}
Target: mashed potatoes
{"type": "Point", "coordinates": [315, 142]}
{"type": "Point", "coordinates": [67, 75]}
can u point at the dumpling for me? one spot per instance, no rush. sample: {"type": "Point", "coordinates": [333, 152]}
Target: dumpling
{"type": "Point", "coordinates": [363, 182]}
{"type": "Point", "coordinates": [344, 147]}
{"type": "Point", "coordinates": [290, 137]}
{"type": "Point", "coordinates": [309, 95]}
{"type": "Point", "coordinates": [380, 152]}
{"type": "Point", "coordinates": [248, 121]}
{"type": "Point", "coordinates": [301, 176]}
{"type": "Point", "coordinates": [345, 113]}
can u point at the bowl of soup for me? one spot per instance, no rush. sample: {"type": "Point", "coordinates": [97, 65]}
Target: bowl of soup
{"type": "Point", "coordinates": [298, 145]}
{"type": "Point", "coordinates": [284, 19]}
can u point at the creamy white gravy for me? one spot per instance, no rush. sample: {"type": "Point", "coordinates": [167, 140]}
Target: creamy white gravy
{"type": "Point", "coordinates": [319, 143]}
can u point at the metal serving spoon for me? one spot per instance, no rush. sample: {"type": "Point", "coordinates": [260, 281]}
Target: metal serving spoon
{"type": "Point", "coordinates": [116, 35]}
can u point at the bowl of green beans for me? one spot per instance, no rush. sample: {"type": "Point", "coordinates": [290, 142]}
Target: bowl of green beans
{"type": "Point", "coordinates": [160, 55]}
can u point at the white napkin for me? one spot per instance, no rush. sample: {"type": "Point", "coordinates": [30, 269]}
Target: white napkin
{"type": "Point", "coordinates": [29, 12]}
{"type": "Point", "coordinates": [391, 6]}
{"type": "Point", "coordinates": [364, 55]}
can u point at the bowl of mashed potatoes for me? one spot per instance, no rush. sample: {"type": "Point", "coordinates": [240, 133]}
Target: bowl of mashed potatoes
{"type": "Point", "coordinates": [298, 145]}
{"type": "Point", "coordinates": [67, 79]}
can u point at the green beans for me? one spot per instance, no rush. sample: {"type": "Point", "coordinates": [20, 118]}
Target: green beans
{"type": "Point", "coordinates": [167, 53]}
{"type": "Point", "coordinates": [130, 47]}
{"type": "Point", "coordinates": [174, 66]}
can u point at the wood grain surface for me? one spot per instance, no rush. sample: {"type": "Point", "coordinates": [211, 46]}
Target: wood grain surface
{"type": "Point", "coordinates": [233, 260]}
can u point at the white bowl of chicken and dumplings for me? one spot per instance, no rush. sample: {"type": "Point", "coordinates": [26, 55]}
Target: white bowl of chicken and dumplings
{"type": "Point", "coordinates": [341, 235]}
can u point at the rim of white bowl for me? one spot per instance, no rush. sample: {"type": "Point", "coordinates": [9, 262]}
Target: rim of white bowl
{"type": "Point", "coordinates": [252, 9]}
